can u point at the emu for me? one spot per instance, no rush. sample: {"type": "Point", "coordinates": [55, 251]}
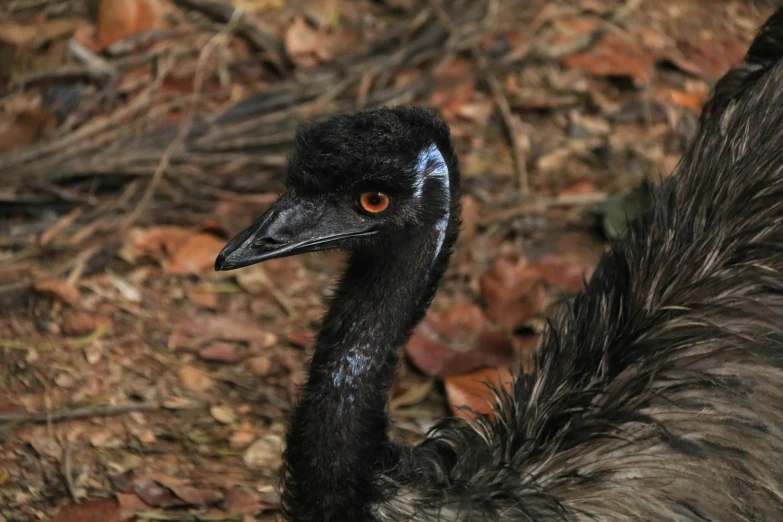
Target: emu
{"type": "Point", "coordinates": [657, 393]}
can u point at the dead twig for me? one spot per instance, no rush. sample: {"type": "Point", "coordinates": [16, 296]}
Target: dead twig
{"type": "Point", "coordinates": [66, 467]}
{"type": "Point", "coordinates": [87, 412]}
{"type": "Point", "coordinates": [541, 205]}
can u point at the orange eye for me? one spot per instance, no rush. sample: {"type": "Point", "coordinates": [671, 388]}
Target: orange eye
{"type": "Point", "coordinates": [374, 202]}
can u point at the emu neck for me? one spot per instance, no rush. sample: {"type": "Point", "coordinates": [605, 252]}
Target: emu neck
{"type": "Point", "coordinates": [338, 436]}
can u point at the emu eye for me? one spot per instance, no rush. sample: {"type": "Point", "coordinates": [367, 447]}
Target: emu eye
{"type": "Point", "coordinates": [374, 202]}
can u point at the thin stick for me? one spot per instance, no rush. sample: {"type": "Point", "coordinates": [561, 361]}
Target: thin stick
{"type": "Point", "coordinates": [66, 467]}
{"type": "Point", "coordinates": [104, 410]}
{"type": "Point", "coordinates": [511, 122]}
{"type": "Point", "coordinates": [541, 205]}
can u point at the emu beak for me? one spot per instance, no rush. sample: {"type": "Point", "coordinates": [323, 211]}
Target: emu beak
{"type": "Point", "coordinates": [289, 228]}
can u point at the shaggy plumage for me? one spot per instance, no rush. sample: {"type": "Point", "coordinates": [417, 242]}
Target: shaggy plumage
{"type": "Point", "coordinates": [658, 392]}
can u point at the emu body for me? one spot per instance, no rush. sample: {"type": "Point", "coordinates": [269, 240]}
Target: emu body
{"type": "Point", "coordinates": [657, 393]}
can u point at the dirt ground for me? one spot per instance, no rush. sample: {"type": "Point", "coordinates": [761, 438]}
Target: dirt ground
{"type": "Point", "coordinates": [137, 136]}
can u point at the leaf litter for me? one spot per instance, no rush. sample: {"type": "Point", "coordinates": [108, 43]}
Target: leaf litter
{"type": "Point", "coordinates": [168, 386]}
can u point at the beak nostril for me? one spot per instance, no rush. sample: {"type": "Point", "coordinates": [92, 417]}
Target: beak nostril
{"type": "Point", "coordinates": [270, 240]}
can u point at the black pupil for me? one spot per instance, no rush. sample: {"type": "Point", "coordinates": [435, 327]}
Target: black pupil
{"type": "Point", "coordinates": [375, 200]}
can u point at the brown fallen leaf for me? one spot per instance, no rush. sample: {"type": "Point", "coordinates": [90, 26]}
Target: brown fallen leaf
{"type": "Point", "coordinates": [305, 45]}
{"type": "Point", "coordinates": [244, 501]}
{"type": "Point", "coordinates": [221, 351]}
{"type": "Point", "coordinates": [513, 292]}
{"type": "Point", "coordinates": [31, 36]}
{"type": "Point", "coordinates": [79, 323]}
{"type": "Point", "coordinates": [455, 85]}
{"type": "Point", "coordinates": [223, 413]}
{"type": "Point", "coordinates": [119, 19]}
{"type": "Point", "coordinates": [164, 491]}
{"type": "Point", "coordinates": [614, 55]}
{"type": "Point", "coordinates": [265, 453]}
{"type": "Point", "coordinates": [693, 101]}
{"type": "Point", "coordinates": [59, 289]}
{"type": "Point", "coordinates": [181, 250]}
{"type": "Point", "coordinates": [25, 128]}
{"type": "Point", "coordinates": [131, 503]}
{"type": "Point", "coordinates": [577, 189]}
{"type": "Point", "coordinates": [241, 439]}
{"type": "Point", "coordinates": [259, 366]}
{"type": "Point", "coordinates": [457, 341]}
{"type": "Point", "coordinates": [707, 59]}
{"type": "Point", "coordinates": [194, 380]}
{"type": "Point", "coordinates": [93, 511]}
{"type": "Point", "coordinates": [196, 255]}
{"type": "Point", "coordinates": [567, 275]}
{"type": "Point", "coordinates": [204, 300]}
{"type": "Point", "coordinates": [195, 333]}
{"type": "Point", "coordinates": [471, 390]}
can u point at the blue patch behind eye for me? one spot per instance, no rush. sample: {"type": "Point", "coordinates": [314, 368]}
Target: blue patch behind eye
{"type": "Point", "coordinates": [432, 165]}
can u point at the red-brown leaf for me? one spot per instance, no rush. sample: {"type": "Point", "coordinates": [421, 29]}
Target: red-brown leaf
{"type": "Point", "coordinates": [59, 289]}
{"type": "Point", "coordinates": [457, 341]}
{"type": "Point", "coordinates": [513, 292]}
{"type": "Point", "coordinates": [92, 511]}
{"type": "Point", "coordinates": [471, 390]}
{"type": "Point", "coordinates": [613, 55]}
{"type": "Point", "coordinates": [119, 19]}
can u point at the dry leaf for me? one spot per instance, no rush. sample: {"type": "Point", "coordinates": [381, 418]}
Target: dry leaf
{"type": "Point", "coordinates": [196, 255]}
{"type": "Point", "coordinates": [92, 511]}
{"type": "Point", "coordinates": [119, 19]}
{"type": "Point", "coordinates": [455, 86]}
{"type": "Point", "coordinates": [79, 323]}
{"type": "Point", "coordinates": [457, 341]}
{"type": "Point", "coordinates": [194, 380]}
{"type": "Point", "coordinates": [513, 292]}
{"type": "Point", "coordinates": [181, 250]}
{"type": "Point", "coordinates": [25, 128]}
{"type": "Point", "coordinates": [33, 35]}
{"type": "Point", "coordinates": [471, 390]}
{"type": "Point", "coordinates": [265, 453]}
{"type": "Point", "coordinates": [164, 491]}
{"type": "Point", "coordinates": [223, 413]}
{"type": "Point", "coordinates": [259, 365]}
{"type": "Point", "coordinates": [693, 101]}
{"type": "Point", "coordinates": [244, 501]}
{"type": "Point", "coordinates": [577, 189]}
{"type": "Point", "coordinates": [204, 300]}
{"type": "Point", "coordinates": [195, 333]}
{"type": "Point", "coordinates": [220, 351]}
{"type": "Point", "coordinates": [708, 59]}
{"type": "Point", "coordinates": [241, 440]}
{"type": "Point", "coordinates": [305, 45]}
{"type": "Point", "coordinates": [131, 503]}
{"type": "Point", "coordinates": [613, 55]}
{"type": "Point", "coordinates": [565, 274]}
{"type": "Point", "coordinates": [59, 289]}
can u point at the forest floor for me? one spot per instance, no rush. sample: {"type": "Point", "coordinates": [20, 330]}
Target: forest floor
{"type": "Point", "coordinates": [137, 136]}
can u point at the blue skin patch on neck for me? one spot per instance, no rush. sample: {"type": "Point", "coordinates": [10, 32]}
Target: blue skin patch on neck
{"type": "Point", "coordinates": [358, 362]}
